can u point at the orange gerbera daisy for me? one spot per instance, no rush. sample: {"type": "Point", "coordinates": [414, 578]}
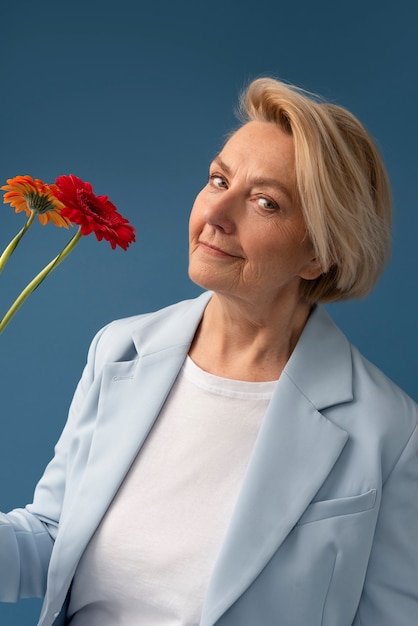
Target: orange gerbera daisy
{"type": "Point", "coordinates": [33, 196]}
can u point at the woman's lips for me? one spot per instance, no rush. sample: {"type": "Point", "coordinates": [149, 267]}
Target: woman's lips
{"type": "Point", "coordinates": [214, 251]}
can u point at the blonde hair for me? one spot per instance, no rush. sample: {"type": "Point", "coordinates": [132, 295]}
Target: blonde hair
{"type": "Point", "coordinates": [342, 184]}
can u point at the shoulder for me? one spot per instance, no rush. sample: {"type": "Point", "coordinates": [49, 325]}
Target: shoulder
{"type": "Point", "coordinates": [381, 418]}
{"type": "Point", "coordinates": [339, 361]}
{"type": "Point", "coordinates": [352, 391]}
{"type": "Point", "coordinates": [371, 380]}
{"type": "Point", "coordinates": [384, 403]}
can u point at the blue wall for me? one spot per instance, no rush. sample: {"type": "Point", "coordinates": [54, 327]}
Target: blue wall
{"type": "Point", "coordinates": [136, 97]}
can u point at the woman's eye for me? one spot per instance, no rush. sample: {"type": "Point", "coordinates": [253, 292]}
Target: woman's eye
{"type": "Point", "coordinates": [218, 181]}
{"type": "Point", "coordinates": [267, 204]}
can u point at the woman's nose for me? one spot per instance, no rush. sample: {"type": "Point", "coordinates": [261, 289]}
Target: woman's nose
{"type": "Point", "coordinates": [222, 211]}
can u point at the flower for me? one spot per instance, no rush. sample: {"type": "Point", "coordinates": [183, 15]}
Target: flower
{"type": "Point", "coordinates": [93, 213]}
{"type": "Point", "coordinates": [69, 200]}
{"type": "Point", "coordinates": [33, 196]}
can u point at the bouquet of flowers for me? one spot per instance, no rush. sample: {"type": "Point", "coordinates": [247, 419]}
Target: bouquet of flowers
{"type": "Point", "coordinates": [68, 202]}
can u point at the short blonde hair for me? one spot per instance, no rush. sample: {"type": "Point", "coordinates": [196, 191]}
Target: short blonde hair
{"type": "Point", "coordinates": [342, 184]}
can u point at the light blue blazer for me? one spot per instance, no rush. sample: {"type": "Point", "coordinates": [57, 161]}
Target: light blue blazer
{"type": "Point", "coordinates": [325, 529]}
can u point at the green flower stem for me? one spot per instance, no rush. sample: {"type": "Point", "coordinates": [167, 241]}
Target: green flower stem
{"type": "Point", "coordinates": [12, 245]}
{"type": "Point", "coordinates": [39, 278]}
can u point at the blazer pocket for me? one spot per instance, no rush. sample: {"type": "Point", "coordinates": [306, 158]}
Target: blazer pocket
{"type": "Point", "coordinates": [341, 506]}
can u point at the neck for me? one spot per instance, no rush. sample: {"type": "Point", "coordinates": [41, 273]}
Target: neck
{"type": "Point", "coordinates": [247, 343]}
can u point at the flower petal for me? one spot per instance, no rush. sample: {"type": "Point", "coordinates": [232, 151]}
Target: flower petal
{"type": "Point", "coordinates": [32, 195]}
{"type": "Point", "coordinates": [94, 214]}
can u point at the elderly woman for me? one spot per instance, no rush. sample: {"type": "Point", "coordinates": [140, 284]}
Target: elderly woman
{"type": "Point", "coordinates": [233, 460]}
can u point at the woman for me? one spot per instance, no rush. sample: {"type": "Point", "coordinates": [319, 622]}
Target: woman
{"type": "Point", "coordinates": [233, 460]}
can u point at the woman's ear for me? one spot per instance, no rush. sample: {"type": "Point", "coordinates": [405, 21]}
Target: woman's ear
{"type": "Point", "coordinates": [312, 269]}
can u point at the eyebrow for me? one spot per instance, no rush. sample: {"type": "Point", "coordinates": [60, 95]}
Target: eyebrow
{"type": "Point", "coordinates": [257, 180]}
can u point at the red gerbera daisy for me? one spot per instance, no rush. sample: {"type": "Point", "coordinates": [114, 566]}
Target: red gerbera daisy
{"type": "Point", "coordinates": [94, 214]}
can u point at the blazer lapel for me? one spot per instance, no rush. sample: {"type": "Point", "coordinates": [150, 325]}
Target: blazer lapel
{"type": "Point", "coordinates": [296, 449]}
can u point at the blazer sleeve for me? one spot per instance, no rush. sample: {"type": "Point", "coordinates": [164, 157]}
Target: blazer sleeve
{"type": "Point", "coordinates": [390, 594]}
{"type": "Point", "coordinates": [27, 535]}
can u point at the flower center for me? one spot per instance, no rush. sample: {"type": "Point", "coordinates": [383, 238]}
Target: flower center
{"type": "Point", "coordinates": [88, 202]}
{"type": "Point", "coordinates": [39, 202]}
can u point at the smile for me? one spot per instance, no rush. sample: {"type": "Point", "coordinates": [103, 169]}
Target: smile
{"type": "Point", "coordinates": [214, 251]}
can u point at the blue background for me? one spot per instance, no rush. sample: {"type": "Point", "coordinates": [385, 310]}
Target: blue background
{"type": "Point", "coordinates": [136, 98]}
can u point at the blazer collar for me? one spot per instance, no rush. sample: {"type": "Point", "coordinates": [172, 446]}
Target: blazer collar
{"type": "Point", "coordinates": [173, 326]}
{"type": "Point", "coordinates": [322, 349]}
{"type": "Point", "coordinates": [320, 365]}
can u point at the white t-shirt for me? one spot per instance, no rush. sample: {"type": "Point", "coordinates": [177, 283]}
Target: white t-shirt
{"type": "Point", "coordinates": [151, 558]}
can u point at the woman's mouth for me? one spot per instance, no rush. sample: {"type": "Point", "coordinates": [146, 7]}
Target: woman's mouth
{"type": "Point", "coordinates": [214, 250]}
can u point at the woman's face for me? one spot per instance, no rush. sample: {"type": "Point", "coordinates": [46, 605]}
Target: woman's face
{"type": "Point", "coordinates": [247, 233]}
